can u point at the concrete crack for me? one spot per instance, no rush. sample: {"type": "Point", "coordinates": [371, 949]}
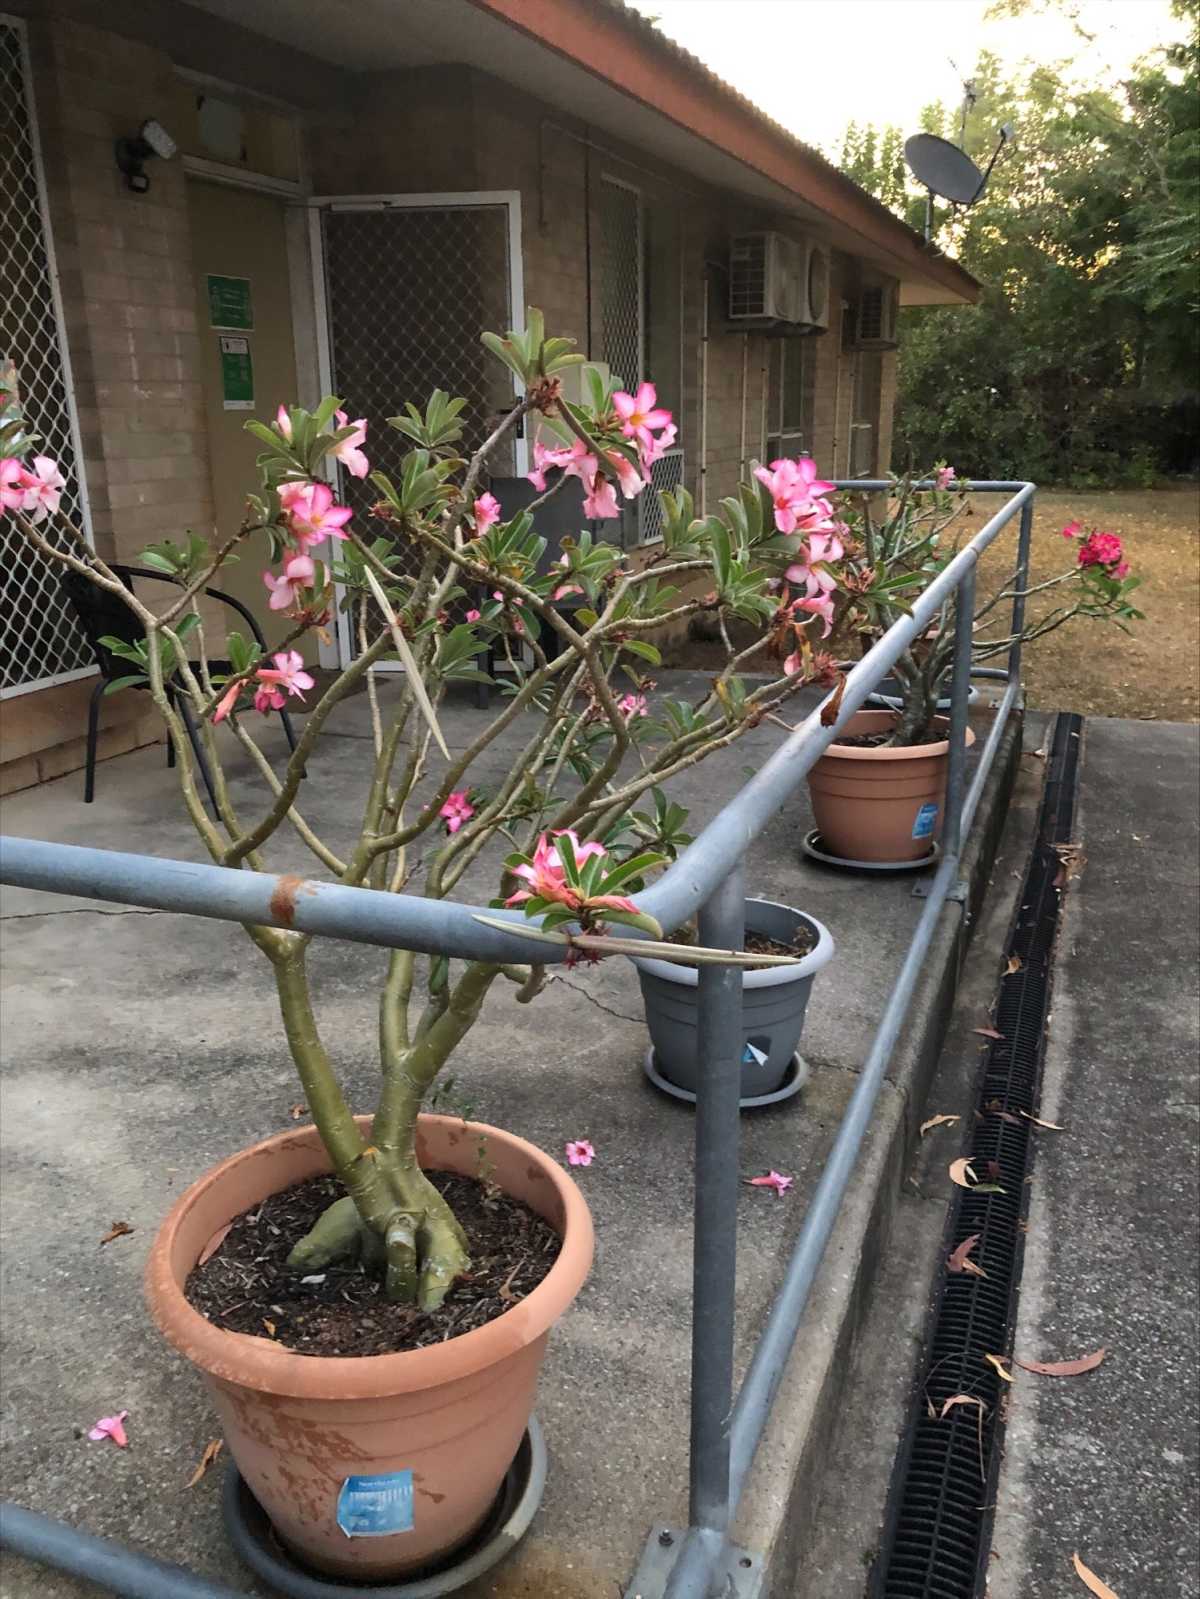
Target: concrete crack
{"type": "Point", "coordinates": [81, 910]}
{"type": "Point", "coordinates": [634, 1021]}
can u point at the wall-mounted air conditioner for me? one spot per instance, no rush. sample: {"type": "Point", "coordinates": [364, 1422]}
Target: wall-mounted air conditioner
{"type": "Point", "coordinates": [873, 316]}
{"type": "Point", "coordinates": [773, 280]}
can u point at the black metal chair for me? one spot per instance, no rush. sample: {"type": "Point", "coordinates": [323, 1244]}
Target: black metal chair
{"type": "Point", "coordinates": [102, 615]}
{"type": "Point", "coordinates": [559, 518]}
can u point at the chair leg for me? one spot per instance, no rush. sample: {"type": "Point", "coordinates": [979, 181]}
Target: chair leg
{"type": "Point", "coordinates": [288, 730]}
{"type": "Point", "coordinates": [89, 775]}
{"type": "Point", "coordinates": [193, 733]}
{"type": "Point", "coordinates": [170, 750]}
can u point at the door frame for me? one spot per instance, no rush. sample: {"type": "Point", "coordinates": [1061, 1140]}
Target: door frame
{"type": "Point", "coordinates": [339, 652]}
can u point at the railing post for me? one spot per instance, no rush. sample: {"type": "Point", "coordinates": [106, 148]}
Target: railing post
{"type": "Point", "coordinates": [1020, 586]}
{"type": "Point", "coordinates": [714, 1241]}
{"type": "Point", "coordinates": [960, 690]}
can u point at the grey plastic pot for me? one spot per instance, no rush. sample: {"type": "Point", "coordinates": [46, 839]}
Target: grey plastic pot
{"type": "Point", "coordinates": [774, 1000]}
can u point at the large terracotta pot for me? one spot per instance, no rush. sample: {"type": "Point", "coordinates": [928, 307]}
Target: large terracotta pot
{"type": "Point", "coordinates": [442, 1424]}
{"type": "Point", "coordinates": [880, 804]}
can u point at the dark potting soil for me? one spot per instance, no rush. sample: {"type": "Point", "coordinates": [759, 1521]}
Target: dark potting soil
{"type": "Point", "coordinates": [875, 741]}
{"type": "Point", "coordinates": [246, 1287]}
{"type": "Point", "coordinates": [803, 942]}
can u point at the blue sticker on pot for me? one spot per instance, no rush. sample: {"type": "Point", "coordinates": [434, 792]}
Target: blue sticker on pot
{"type": "Point", "coordinates": [925, 822]}
{"type": "Point", "coordinates": [753, 1057]}
{"type": "Point", "coordinates": [373, 1507]}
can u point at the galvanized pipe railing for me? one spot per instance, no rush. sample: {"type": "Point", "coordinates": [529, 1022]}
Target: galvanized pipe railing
{"type": "Point", "coordinates": [707, 878]}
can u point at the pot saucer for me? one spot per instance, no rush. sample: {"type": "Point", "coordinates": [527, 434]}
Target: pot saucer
{"type": "Point", "coordinates": [794, 1079]}
{"type": "Point", "coordinates": [813, 846]}
{"type": "Point", "coordinates": [254, 1540]}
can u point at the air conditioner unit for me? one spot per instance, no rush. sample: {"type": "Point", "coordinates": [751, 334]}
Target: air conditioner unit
{"type": "Point", "coordinates": [815, 277]}
{"type": "Point", "coordinates": [874, 317]}
{"type": "Point", "coordinates": [765, 273]}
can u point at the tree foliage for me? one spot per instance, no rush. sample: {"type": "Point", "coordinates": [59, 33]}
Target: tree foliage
{"type": "Point", "coordinates": [1079, 364]}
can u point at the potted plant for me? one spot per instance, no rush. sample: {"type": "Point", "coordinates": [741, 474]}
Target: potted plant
{"type": "Point", "coordinates": [878, 791]}
{"type": "Point", "coordinates": [376, 1442]}
{"type": "Point", "coordinates": [774, 1001]}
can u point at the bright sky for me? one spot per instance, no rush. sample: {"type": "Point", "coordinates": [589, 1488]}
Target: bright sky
{"type": "Point", "coordinates": [815, 65]}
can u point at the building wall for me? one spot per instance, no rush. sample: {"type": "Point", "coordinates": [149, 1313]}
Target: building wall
{"type": "Point", "coordinates": [129, 291]}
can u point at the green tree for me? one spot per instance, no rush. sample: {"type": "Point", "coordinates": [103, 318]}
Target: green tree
{"type": "Point", "coordinates": [1079, 363]}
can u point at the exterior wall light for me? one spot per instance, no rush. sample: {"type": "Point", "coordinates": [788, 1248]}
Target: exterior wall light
{"type": "Point", "coordinates": [152, 139]}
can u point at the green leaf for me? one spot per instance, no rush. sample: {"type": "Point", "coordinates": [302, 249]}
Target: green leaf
{"type": "Point", "coordinates": [642, 648]}
{"type": "Point", "coordinates": [124, 682]}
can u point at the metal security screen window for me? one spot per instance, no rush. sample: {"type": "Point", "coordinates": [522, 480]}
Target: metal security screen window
{"type": "Point", "coordinates": [622, 309]}
{"type": "Point", "coordinates": [789, 397]}
{"type": "Point", "coordinates": [408, 288]}
{"type": "Point", "coordinates": [40, 643]}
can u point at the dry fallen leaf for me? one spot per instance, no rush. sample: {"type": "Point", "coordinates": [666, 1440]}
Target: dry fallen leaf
{"type": "Point", "coordinates": [1015, 964]}
{"type": "Point", "coordinates": [960, 1170]}
{"type": "Point", "coordinates": [297, 1111]}
{"type": "Point", "coordinates": [116, 1229]}
{"type": "Point", "coordinates": [938, 1121]}
{"type": "Point", "coordinates": [961, 1399]}
{"type": "Point", "coordinates": [1091, 1580]}
{"type": "Point", "coordinates": [1072, 860]}
{"type": "Point", "coordinates": [1062, 1368]}
{"type": "Point", "coordinates": [211, 1451]}
{"type": "Point", "coordinates": [998, 1362]}
{"type": "Point", "coordinates": [214, 1243]}
{"type": "Point", "coordinates": [987, 1032]}
{"type": "Point", "coordinates": [958, 1261]}
{"type": "Point", "coordinates": [1007, 1116]}
{"type": "Point", "coordinates": [1038, 1122]}
{"type": "Point", "coordinates": [270, 1326]}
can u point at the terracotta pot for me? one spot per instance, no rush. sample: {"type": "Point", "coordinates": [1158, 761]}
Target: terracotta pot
{"type": "Point", "coordinates": [880, 804]}
{"type": "Point", "coordinates": [442, 1423]}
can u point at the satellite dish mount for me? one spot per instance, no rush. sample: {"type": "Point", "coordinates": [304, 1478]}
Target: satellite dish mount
{"type": "Point", "coordinates": [948, 171]}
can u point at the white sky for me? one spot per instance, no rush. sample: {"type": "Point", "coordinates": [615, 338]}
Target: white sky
{"type": "Point", "coordinates": [815, 65]}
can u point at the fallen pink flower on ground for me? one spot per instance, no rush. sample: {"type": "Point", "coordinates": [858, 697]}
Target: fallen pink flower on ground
{"type": "Point", "coordinates": [111, 1427]}
{"type": "Point", "coordinates": [580, 1152]}
{"type": "Point", "coordinates": [773, 1179]}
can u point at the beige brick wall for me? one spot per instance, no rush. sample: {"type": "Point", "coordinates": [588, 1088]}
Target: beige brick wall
{"type": "Point", "coordinates": [125, 277]}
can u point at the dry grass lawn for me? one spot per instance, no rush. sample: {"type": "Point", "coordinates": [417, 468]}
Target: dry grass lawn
{"type": "Point", "coordinates": [1093, 667]}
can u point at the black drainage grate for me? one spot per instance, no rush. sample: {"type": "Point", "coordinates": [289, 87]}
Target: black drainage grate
{"type": "Point", "coordinates": [935, 1543]}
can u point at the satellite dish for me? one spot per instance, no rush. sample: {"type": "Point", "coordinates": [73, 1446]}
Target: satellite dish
{"type": "Point", "coordinates": [943, 168]}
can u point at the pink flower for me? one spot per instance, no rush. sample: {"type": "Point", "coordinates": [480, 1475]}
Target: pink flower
{"type": "Point", "coordinates": [43, 488]}
{"type": "Point", "coordinates": [794, 663]}
{"type": "Point", "coordinates": [349, 451]}
{"type": "Point", "coordinates": [773, 1179]}
{"type": "Point", "coordinates": [312, 516]}
{"type": "Point", "coordinates": [14, 484]}
{"type": "Point", "coordinates": [563, 589]}
{"type": "Point", "coordinates": [943, 477]}
{"type": "Point", "coordinates": [547, 879]}
{"type": "Point", "coordinates": [600, 499]}
{"type": "Point", "coordinates": [657, 448]}
{"type": "Point", "coordinates": [283, 423]}
{"type": "Point", "coordinates": [640, 414]}
{"type": "Point", "coordinates": [817, 605]}
{"type": "Point", "coordinates": [630, 479]}
{"type": "Point", "coordinates": [287, 676]}
{"type": "Point", "coordinates": [111, 1427]}
{"type": "Point", "coordinates": [798, 495]}
{"type": "Point", "coordinates": [298, 573]}
{"type": "Point", "coordinates": [227, 701]}
{"type": "Point", "coordinates": [821, 548]}
{"type": "Point", "coordinates": [487, 511]}
{"type": "Point", "coordinates": [631, 705]}
{"type": "Point", "coordinates": [574, 459]}
{"type": "Point", "coordinates": [473, 616]}
{"type": "Point", "coordinates": [1121, 569]}
{"type": "Point", "coordinates": [1100, 549]}
{"type": "Point", "coordinates": [580, 1152]}
{"type": "Point", "coordinates": [457, 810]}
{"type": "Point", "coordinates": [1073, 529]}
{"type": "Point", "coordinates": [582, 851]}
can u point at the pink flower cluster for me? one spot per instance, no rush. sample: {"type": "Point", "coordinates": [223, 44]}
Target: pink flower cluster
{"type": "Point", "coordinates": [310, 515]}
{"type": "Point", "coordinates": [547, 879]}
{"type": "Point", "coordinates": [275, 684]}
{"type": "Point", "coordinates": [641, 420]}
{"type": "Point", "coordinates": [457, 810]}
{"type": "Point", "coordinates": [798, 495]}
{"type": "Point", "coordinates": [36, 492]}
{"type": "Point", "coordinates": [1098, 549]}
{"type": "Point", "coordinates": [804, 513]}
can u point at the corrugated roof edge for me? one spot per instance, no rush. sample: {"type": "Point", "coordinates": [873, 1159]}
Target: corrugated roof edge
{"type": "Point", "coordinates": [525, 16]}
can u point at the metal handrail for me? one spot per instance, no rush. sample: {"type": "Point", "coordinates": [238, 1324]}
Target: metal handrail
{"type": "Point", "coordinates": [707, 877]}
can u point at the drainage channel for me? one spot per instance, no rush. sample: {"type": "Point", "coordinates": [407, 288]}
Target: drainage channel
{"type": "Point", "coordinates": [941, 1503]}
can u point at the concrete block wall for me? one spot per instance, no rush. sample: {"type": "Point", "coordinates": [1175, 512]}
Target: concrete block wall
{"type": "Point", "coordinates": [128, 303]}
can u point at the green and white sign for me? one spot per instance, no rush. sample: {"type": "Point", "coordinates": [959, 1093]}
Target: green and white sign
{"type": "Point", "coordinates": [237, 374]}
{"type": "Point", "coordinates": [229, 303]}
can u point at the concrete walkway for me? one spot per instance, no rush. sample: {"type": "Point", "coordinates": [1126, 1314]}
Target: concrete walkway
{"type": "Point", "coordinates": [139, 1048]}
{"type": "Point", "coordinates": [1109, 1463]}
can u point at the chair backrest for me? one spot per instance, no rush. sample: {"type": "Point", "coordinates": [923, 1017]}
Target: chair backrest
{"type": "Point", "coordinates": [562, 517]}
{"type": "Point", "coordinates": [102, 615]}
